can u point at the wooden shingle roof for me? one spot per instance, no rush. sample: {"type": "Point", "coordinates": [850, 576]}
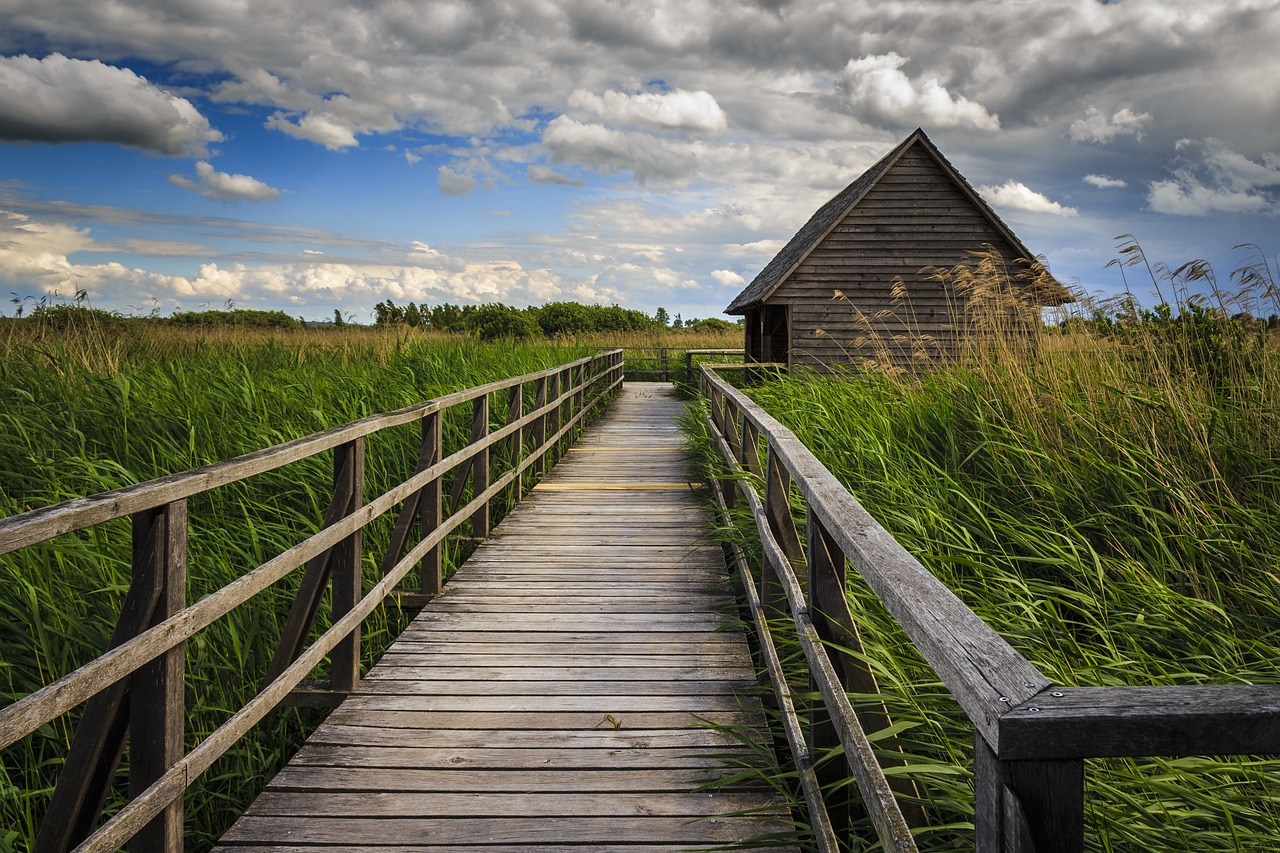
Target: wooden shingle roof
{"type": "Point", "coordinates": [834, 211]}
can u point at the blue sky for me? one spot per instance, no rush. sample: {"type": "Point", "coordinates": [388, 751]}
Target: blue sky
{"type": "Point", "coordinates": [312, 155]}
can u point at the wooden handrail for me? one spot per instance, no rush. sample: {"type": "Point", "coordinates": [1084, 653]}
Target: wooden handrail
{"type": "Point", "coordinates": [1030, 735]}
{"type": "Point", "coordinates": [153, 637]}
{"type": "Point", "coordinates": [39, 525]}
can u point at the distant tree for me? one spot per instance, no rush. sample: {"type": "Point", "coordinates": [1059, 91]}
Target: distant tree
{"type": "Point", "coordinates": [711, 324]}
{"type": "Point", "coordinates": [564, 318]}
{"type": "Point", "coordinates": [662, 317]}
{"type": "Point", "coordinates": [413, 315]}
{"type": "Point", "coordinates": [337, 317]}
{"type": "Point", "coordinates": [677, 323]}
{"type": "Point", "coordinates": [496, 321]}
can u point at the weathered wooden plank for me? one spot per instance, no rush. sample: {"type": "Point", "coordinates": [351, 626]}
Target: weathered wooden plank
{"type": "Point", "coordinates": [578, 758]}
{"type": "Point", "coordinates": [1112, 722]}
{"type": "Point", "coordinates": [558, 830]}
{"type": "Point", "coordinates": [353, 710]}
{"type": "Point", "coordinates": [480, 687]}
{"type": "Point", "coordinates": [556, 673]}
{"type": "Point", "coordinates": [583, 640]}
{"type": "Point", "coordinates": [506, 804]}
{"type": "Point", "coordinates": [300, 777]}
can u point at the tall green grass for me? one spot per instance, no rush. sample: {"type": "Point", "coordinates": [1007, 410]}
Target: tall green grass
{"type": "Point", "coordinates": [84, 410]}
{"type": "Point", "coordinates": [1107, 501]}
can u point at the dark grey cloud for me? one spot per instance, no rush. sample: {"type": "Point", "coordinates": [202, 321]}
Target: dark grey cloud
{"type": "Point", "coordinates": [57, 99]}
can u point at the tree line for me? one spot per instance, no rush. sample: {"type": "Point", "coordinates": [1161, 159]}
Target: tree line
{"type": "Point", "coordinates": [555, 319]}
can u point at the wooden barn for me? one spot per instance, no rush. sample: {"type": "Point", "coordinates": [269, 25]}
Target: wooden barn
{"type": "Point", "coordinates": [859, 279]}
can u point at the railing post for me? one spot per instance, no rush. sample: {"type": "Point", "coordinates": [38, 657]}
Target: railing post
{"type": "Point", "coordinates": [1026, 806]}
{"type": "Point", "coordinates": [553, 417]}
{"type": "Point", "coordinates": [663, 362]}
{"type": "Point", "coordinates": [348, 474]}
{"type": "Point", "coordinates": [430, 504]}
{"type": "Point", "coordinates": [729, 427]}
{"type": "Point", "coordinates": [777, 504]}
{"type": "Point", "coordinates": [148, 707]}
{"type": "Point", "coordinates": [688, 367]}
{"type": "Point", "coordinates": [157, 695]}
{"type": "Point", "coordinates": [515, 444]}
{"type": "Point", "coordinates": [540, 425]}
{"type": "Point", "coordinates": [480, 466]}
{"type": "Point", "coordinates": [749, 450]}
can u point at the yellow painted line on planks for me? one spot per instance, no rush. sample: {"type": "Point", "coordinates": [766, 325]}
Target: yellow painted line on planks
{"type": "Point", "coordinates": [616, 487]}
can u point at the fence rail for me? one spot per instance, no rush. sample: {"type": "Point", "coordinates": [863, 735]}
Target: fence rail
{"type": "Point", "coordinates": [1031, 736]}
{"type": "Point", "coordinates": [135, 690]}
{"type": "Point", "coordinates": [666, 364]}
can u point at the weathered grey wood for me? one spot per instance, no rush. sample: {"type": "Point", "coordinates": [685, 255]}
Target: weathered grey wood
{"type": "Point", "coordinates": [157, 693]}
{"type": "Point", "coordinates": [306, 602]}
{"type": "Point", "coordinates": [99, 739]}
{"type": "Point", "coordinates": [27, 714]}
{"type": "Point", "coordinates": [430, 508]}
{"type": "Point", "coordinates": [163, 640]}
{"type": "Point", "coordinates": [344, 664]}
{"type": "Point", "coordinates": [567, 674]}
{"type": "Point", "coordinates": [540, 425]}
{"type": "Point", "coordinates": [38, 525]}
{"type": "Point", "coordinates": [303, 778]}
{"type": "Point", "coordinates": [1112, 722]}
{"type": "Point", "coordinates": [801, 757]}
{"type": "Point", "coordinates": [520, 804]}
{"type": "Point", "coordinates": [977, 665]}
{"type": "Point", "coordinates": [575, 831]}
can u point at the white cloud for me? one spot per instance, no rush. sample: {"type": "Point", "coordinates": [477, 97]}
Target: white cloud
{"type": "Point", "coordinates": [1208, 177]}
{"type": "Point", "coordinates": [544, 175]}
{"type": "Point", "coordinates": [877, 89]}
{"type": "Point", "coordinates": [411, 158]}
{"type": "Point", "coordinates": [1096, 126]}
{"type": "Point", "coordinates": [57, 99]}
{"type": "Point", "coordinates": [328, 130]}
{"type": "Point", "coordinates": [728, 278]}
{"type": "Point", "coordinates": [1104, 182]}
{"type": "Point", "coordinates": [455, 183]}
{"type": "Point", "coordinates": [221, 186]}
{"type": "Point", "coordinates": [676, 110]}
{"type": "Point", "coordinates": [1016, 195]}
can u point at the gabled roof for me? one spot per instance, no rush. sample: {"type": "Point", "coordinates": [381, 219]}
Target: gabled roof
{"type": "Point", "coordinates": [834, 211]}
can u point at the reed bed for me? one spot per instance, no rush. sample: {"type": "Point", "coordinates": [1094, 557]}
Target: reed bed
{"type": "Point", "coordinates": [92, 408]}
{"type": "Point", "coordinates": [1105, 498]}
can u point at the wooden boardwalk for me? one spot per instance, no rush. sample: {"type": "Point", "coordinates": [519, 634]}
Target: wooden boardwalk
{"type": "Point", "coordinates": [551, 697]}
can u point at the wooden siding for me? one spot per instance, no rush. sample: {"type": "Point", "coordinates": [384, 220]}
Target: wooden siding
{"type": "Point", "coordinates": [914, 217]}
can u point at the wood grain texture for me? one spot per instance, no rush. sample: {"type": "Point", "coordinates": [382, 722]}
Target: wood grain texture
{"type": "Point", "coordinates": [557, 691]}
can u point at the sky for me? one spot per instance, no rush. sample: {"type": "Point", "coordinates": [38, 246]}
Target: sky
{"type": "Point", "coordinates": [322, 155]}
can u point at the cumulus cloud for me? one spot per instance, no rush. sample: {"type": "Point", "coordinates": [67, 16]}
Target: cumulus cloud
{"type": "Point", "coordinates": [1015, 195]}
{"type": "Point", "coordinates": [328, 130]}
{"type": "Point", "coordinates": [1104, 182]}
{"type": "Point", "coordinates": [456, 183]}
{"type": "Point", "coordinates": [676, 110]}
{"type": "Point", "coordinates": [1097, 126]}
{"type": "Point", "coordinates": [38, 254]}
{"type": "Point", "coordinates": [545, 175]}
{"type": "Point", "coordinates": [1208, 177]}
{"type": "Point", "coordinates": [221, 186]}
{"type": "Point", "coordinates": [878, 90]}
{"type": "Point", "coordinates": [57, 99]}
{"type": "Point", "coordinates": [728, 278]}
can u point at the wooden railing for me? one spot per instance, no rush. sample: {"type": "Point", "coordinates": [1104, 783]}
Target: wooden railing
{"type": "Point", "coordinates": [135, 690]}
{"type": "Point", "coordinates": [1030, 736]}
{"type": "Point", "coordinates": [666, 364]}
